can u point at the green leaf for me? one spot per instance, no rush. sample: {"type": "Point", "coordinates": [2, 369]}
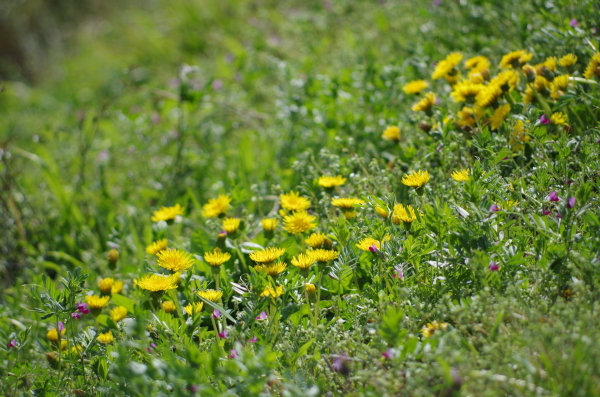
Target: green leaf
{"type": "Point", "coordinates": [303, 349]}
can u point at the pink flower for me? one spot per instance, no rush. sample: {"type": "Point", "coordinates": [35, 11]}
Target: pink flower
{"type": "Point", "coordinates": [234, 354]}
{"type": "Point", "coordinates": [76, 315]}
{"type": "Point", "coordinates": [573, 22]}
{"type": "Point", "coordinates": [253, 340]}
{"type": "Point", "coordinates": [494, 208]}
{"type": "Point", "coordinates": [223, 334]}
{"type": "Point", "coordinates": [494, 266]}
{"type": "Point", "coordinates": [262, 316]}
{"type": "Point", "coordinates": [544, 119]}
{"type": "Point", "coordinates": [554, 196]}
{"type": "Point", "coordinates": [13, 343]}
{"type": "Point", "coordinates": [216, 314]}
{"type": "Point", "coordinates": [571, 202]}
{"type": "Point", "coordinates": [82, 307]}
{"type": "Point", "coordinates": [398, 273]}
{"type": "Point", "coordinates": [61, 326]}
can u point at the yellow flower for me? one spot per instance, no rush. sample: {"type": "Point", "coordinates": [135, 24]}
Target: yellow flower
{"type": "Point", "coordinates": [106, 285]}
{"type": "Point", "coordinates": [299, 222]}
{"type": "Point", "coordinates": [294, 202]}
{"type": "Point", "coordinates": [231, 225]}
{"type": "Point", "coordinates": [508, 204]}
{"type": "Point", "coordinates": [97, 302]}
{"type": "Point", "coordinates": [414, 87]}
{"type": "Point", "coordinates": [216, 206]}
{"type": "Point", "coordinates": [416, 179]}
{"type": "Point", "coordinates": [53, 335]}
{"type": "Point", "coordinates": [478, 63]}
{"type": "Point", "coordinates": [168, 306]}
{"type": "Point", "coordinates": [310, 288]}
{"type": "Point", "coordinates": [430, 328]}
{"type": "Point", "coordinates": [425, 104]}
{"type": "Point", "coordinates": [541, 84]}
{"type": "Point", "coordinates": [499, 116]}
{"type": "Point", "coordinates": [269, 224]}
{"type": "Point", "coordinates": [368, 242]}
{"type": "Point", "coordinates": [529, 96]}
{"type": "Point", "coordinates": [331, 181]}
{"type": "Point", "coordinates": [106, 338]}
{"type": "Point", "coordinates": [274, 269]}
{"type": "Point", "coordinates": [488, 95]}
{"type": "Point", "coordinates": [117, 287]}
{"type": "Point", "coordinates": [559, 85]}
{"type": "Point", "coordinates": [568, 60]}
{"type": "Point", "coordinates": [403, 214]}
{"type": "Point", "coordinates": [303, 261]}
{"type": "Point", "coordinates": [461, 175]}
{"type": "Point", "coordinates": [515, 59]}
{"type": "Point", "coordinates": [216, 257]}
{"type": "Point", "coordinates": [466, 91]}
{"type": "Point", "coordinates": [559, 118]}
{"type": "Point", "coordinates": [321, 255]}
{"type": "Point", "coordinates": [467, 117]}
{"type": "Point", "coordinates": [113, 255]}
{"type": "Point", "coordinates": [317, 240]}
{"type": "Point", "coordinates": [167, 213]}
{"type": "Point", "coordinates": [347, 203]}
{"type": "Point", "coordinates": [118, 313]}
{"type": "Point", "coordinates": [157, 282]}
{"type": "Point", "coordinates": [507, 80]}
{"type": "Point", "coordinates": [267, 255]}
{"type": "Point", "coordinates": [518, 136]}
{"type": "Point", "coordinates": [211, 295]}
{"type": "Point", "coordinates": [447, 66]}
{"type": "Point", "coordinates": [157, 246]}
{"type": "Point", "coordinates": [391, 134]}
{"type": "Point", "coordinates": [269, 292]}
{"type": "Point", "coordinates": [175, 260]}
{"type": "Point", "coordinates": [194, 309]}
{"type": "Point", "coordinates": [382, 212]}
{"type": "Point", "coordinates": [593, 68]}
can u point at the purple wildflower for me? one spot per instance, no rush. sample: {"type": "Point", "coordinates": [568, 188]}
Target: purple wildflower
{"type": "Point", "coordinates": [389, 353]}
{"type": "Point", "coordinates": [234, 354]}
{"type": "Point", "coordinates": [13, 343]}
{"type": "Point", "coordinates": [398, 273]}
{"type": "Point", "coordinates": [494, 208]}
{"type": "Point", "coordinates": [571, 202]}
{"type": "Point", "coordinates": [544, 119]}
{"type": "Point", "coordinates": [61, 326]}
{"type": "Point", "coordinates": [223, 334]}
{"type": "Point", "coordinates": [76, 315]}
{"type": "Point", "coordinates": [494, 266]}
{"type": "Point", "coordinates": [254, 339]}
{"type": "Point", "coordinates": [216, 314]}
{"type": "Point", "coordinates": [573, 22]}
{"type": "Point", "coordinates": [554, 196]}
{"type": "Point", "coordinates": [546, 212]}
{"type": "Point", "coordinates": [82, 307]}
{"type": "Point", "coordinates": [340, 364]}
{"type": "Point", "coordinates": [262, 316]}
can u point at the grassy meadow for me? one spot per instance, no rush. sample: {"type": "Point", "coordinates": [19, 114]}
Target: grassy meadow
{"type": "Point", "coordinates": [300, 198]}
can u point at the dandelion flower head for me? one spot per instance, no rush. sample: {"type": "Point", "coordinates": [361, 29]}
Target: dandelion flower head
{"type": "Point", "coordinates": [432, 327]}
{"type": "Point", "coordinates": [106, 338]}
{"type": "Point", "coordinates": [425, 104]}
{"type": "Point", "coordinates": [117, 287]}
{"type": "Point", "coordinates": [292, 201]}
{"type": "Point", "coordinates": [105, 285]}
{"type": "Point", "coordinates": [347, 203]}
{"type": "Point", "coordinates": [270, 292]}
{"type": "Point", "coordinates": [303, 261]}
{"type": "Point", "coordinates": [416, 179]}
{"type": "Point", "coordinates": [231, 225]}
{"type": "Point", "coordinates": [216, 257]}
{"type": "Point", "coordinates": [515, 59]}
{"type": "Point", "coordinates": [267, 255]}
{"type": "Point", "coordinates": [299, 222]}
{"type": "Point", "coordinates": [447, 66]}
{"type": "Point", "coordinates": [367, 243]}
{"type": "Point", "coordinates": [331, 181]}
{"type": "Point", "coordinates": [167, 213]}
{"type": "Point", "coordinates": [175, 260]}
{"type": "Point", "coordinates": [403, 214]}
{"type": "Point", "coordinates": [391, 134]}
{"type": "Point", "coordinates": [194, 309]}
{"type": "Point", "coordinates": [269, 224]}
{"type": "Point", "coordinates": [157, 246]}
{"type": "Point", "coordinates": [316, 240]}
{"type": "Point", "coordinates": [168, 306]}
{"type": "Point", "coordinates": [118, 313]}
{"type": "Point", "coordinates": [157, 282]}
{"type": "Point", "coordinates": [97, 302]}
{"type": "Point", "coordinates": [568, 60]}
{"type": "Point", "coordinates": [216, 206]}
{"type": "Point", "coordinates": [211, 295]}
{"type": "Point", "coordinates": [499, 116]}
{"type": "Point", "coordinates": [461, 175]}
{"type": "Point", "coordinates": [415, 87]}
{"type": "Point", "coordinates": [321, 255]}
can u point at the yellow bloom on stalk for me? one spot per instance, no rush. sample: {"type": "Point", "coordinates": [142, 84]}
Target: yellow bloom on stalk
{"type": "Point", "coordinates": [593, 68]}
{"type": "Point", "coordinates": [529, 96]}
{"type": "Point", "coordinates": [157, 246]}
{"type": "Point", "coordinates": [499, 116]}
{"type": "Point", "coordinates": [274, 269]}
{"type": "Point", "coordinates": [194, 309]}
{"type": "Point", "coordinates": [303, 261]}
{"type": "Point", "coordinates": [175, 260]}
{"type": "Point", "coordinates": [416, 179]}
{"type": "Point", "coordinates": [299, 222]}
{"type": "Point", "coordinates": [316, 240]}
{"type": "Point", "coordinates": [231, 225]}
{"type": "Point", "coordinates": [216, 206]}
{"type": "Point", "coordinates": [432, 327]}
{"type": "Point", "coordinates": [559, 85]}
{"type": "Point", "coordinates": [292, 201]}
{"type": "Point", "coordinates": [559, 118]}
{"type": "Point", "coordinates": [507, 80]}
{"type": "Point", "coordinates": [157, 282]}
{"type": "Point", "coordinates": [518, 136]}
{"type": "Point", "coordinates": [508, 204]}
{"type": "Point", "coordinates": [331, 181]}
{"type": "Point", "coordinates": [541, 84]}
{"type": "Point", "coordinates": [321, 255]}
{"type": "Point", "coordinates": [117, 287]}
{"type": "Point", "coordinates": [391, 134]}
{"type": "Point", "coordinates": [488, 95]}
{"type": "Point", "coordinates": [269, 224]}
{"type": "Point", "coordinates": [424, 104]}
{"type": "Point", "coordinates": [568, 60]}
{"type": "Point", "coordinates": [118, 313]}
{"type": "Point", "coordinates": [106, 338]}
{"type": "Point", "coordinates": [515, 59]}
{"type": "Point", "coordinates": [446, 68]}
{"type": "Point", "coordinates": [270, 292]}
{"type": "Point", "coordinates": [105, 285]}
{"type": "Point", "coordinates": [211, 295]}
{"type": "Point", "coordinates": [478, 63]}
{"type": "Point", "coordinates": [347, 203]}
{"type": "Point", "coordinates": [267, 255]}
{"type": "Point", "coordinates": [216, 257]}
{"type": "Point", "coordinates": [382, 212]}
{"type": "Point", "coordinates": [53, 334]}
{"type": "Point", "coordinates": [466, 117]}
{"type": "Point", "coordinates": [367, 243]}
{"type": "Point", "coordinates": [403, 214]}
{"type": "Point", "coordinates": [167, 213]}
{"type": "Point", "coordinates": [466, 91]}
{"type": "Point", "coordinates": [414, 87]}
{"type": "Point", "coordinates": [310, 288]}
{"type": "Point", "coordinates": [461, 175]}
{"type": "Point", "coordinates": [168, 306]}
{"type": "Point", "coordinates": [97, 302]}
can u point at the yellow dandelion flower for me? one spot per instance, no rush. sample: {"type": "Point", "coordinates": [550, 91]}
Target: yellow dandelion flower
{"type": "Point", "coordinates": [216, 207]}
{"type": "Point", "coordinates": [53, 335]}
{"type": "Point", "coordinates": [331, 181]}
{"type": "Point", "coordinates": [416, 179]}
{"type": "Point", "coordinates": [168, 306]}
{"type": "Point", "coordinates": [568, 60]}
{"type": "Point", "coordinates": [157, 246]}
{"type": "Point", "coordinates": [499, 116]}
{"type": "Point", "coordinates": [117, 287]}
{"type": "Point", "coordinates": [414, 87]}
{"type": "Point", "coordinates": [310, 288]}
{"type": "Point", "coordinates": [508, 204]}
{"type": "Point", "coordinates": [274, 269]}
{"type": "Point", "coordinates": [467, 117]}
{"type": "Point", "coordinates": [113, 255]}
{"type": "Point", "coordinates": [559, 85]}
{"type": "Point", "coordinates": [167, 213]}
{"type": "Point", "coordinates": [321, 255]}
{"type": "Point", "coordinates": [292, 201]}
{"type": "Point", "coordinates": [270, 292]}
{"type": "Point", "coordinates": [541, 84]}
{"type": "Point", "coordinates": [175, 260]}
{"type": "Point", "coordinates": [269, 224]}
{"type": "Point", "coordinates": [157, 282]}
{"type": "Point", "coordinates": [346, 203]}
{"type": "Point", "coordinates": [367, 243]}
{"type": "Point", "coordinates": [391, 134]}
{"type": "Point", "coordinates": [303, 261]}
{"type": "Point", "coordinates": [593, 68]}
{"type": "Point", "coordinates": [529, 72]}
{"type": "Point", "coordinates": [447, 66]}
{"type": "Point", "coordinates": [461, 175]}
{"type": "Point", "coordinates": [518, 136]}
{"type": "Point", "coordinates": [507, 80]}
{"type": "Point", "coordinates": [466, 91]}
{"type": "Point", "coordinates": [299, 222]}
{"type": "Point", "coordinates": [432, 327]}
{"type": "Point", "coordinates": [559, 118]}
{"type": "Point", "coordinates": [97, 302]}
{"type": "Point", "coordinates": [478, 63]}
{"type": "Point", "coordinates": [403, 214]}
{"type": "Point", "coordinates": [106, 338]}
{"type": "Point", "coordinates": [382, 212]}
{"type": "Point", "coordinates": [194, 309]}
{"type": "Point", "coordinates": [105, 285]}
{"type": "Point", "coordinates": [425, 104]}
{"type": "Point", "coordinates": [118, 313]}
{"type": "Point", "coordinates": [488, 96]}
{"type": "Point", "coordinates": [316, 240]}
{"type": "Point", "coordinates": [216, 257]}
{"type": "Point", "coordinates": [211, 295]}
{"type": "Point", "coordinates": [529, 96]}
{"type": "Point", "coordinates": [515, 59]}
{"type": "Point", "coordinates": [231, 225]}
{"type": "Point", "coordinates": [267, 255]}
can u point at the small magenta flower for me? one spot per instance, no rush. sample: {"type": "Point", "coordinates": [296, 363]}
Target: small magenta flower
{"type": "Point", "coordinates": [76, 315]}
{"type": "Point", "coordinates": [61, 326]}
{"type": "Point", "coordinates": [546, 212]}
{"type": "Point", "coordinates": [223, 334]}
{"type": "Point", "coordinates": [544, 119]}
{"type": "Point", "coordinates": [398, 273]}
{"type": "Point", "coordinates": [494, 208]}
{"type": "Point", "coordinates": [340, 364]}
{"type": "Point", "coordinates": [571, 202]}
{"type": "Point", "coordinates": [151, 347]}
{"type": "Point", "coordinates": [262, 316]}
{"type": "Point", "coordinates": [558, 215]}
{"type": "Point", "coordinates": [573, 23]}
{"type": "Point", "coordinates": [82, 307]}
{"type": "Point", "coordinates": [554, 196]}
{"type": "Point", "coordinates": [494, 266]}
{"type": "Point", "coordinates": [234, 354]}
{"type": "Point", "coordinates": [13, 343]}
{"type": "Point", "coordinates": [389, 353]}
{"type": "Point", "coordinates": [254, 339]}
{"type": "Point", "coordinates": [216, 314]}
